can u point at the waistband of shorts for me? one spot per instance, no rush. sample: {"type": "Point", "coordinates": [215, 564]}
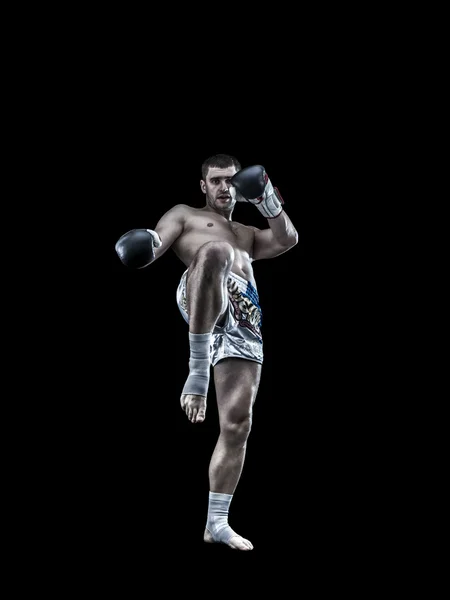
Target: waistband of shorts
{"type": "Point", "coordinates": [239, 278]}
{"type": "Point", "coordinates": [233, 276]}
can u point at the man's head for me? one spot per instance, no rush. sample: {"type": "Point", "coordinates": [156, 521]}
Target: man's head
{"type": "Point", "coordinates": [217, 171]}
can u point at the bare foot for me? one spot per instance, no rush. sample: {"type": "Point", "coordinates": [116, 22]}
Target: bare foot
{"type": "Point", "coordinates": [236, 542]}
{"type": "Point", "coordinates": [194, 407]}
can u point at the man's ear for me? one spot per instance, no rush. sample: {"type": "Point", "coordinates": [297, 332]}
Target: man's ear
{"type": "Point", "coordinates": [203, 186]}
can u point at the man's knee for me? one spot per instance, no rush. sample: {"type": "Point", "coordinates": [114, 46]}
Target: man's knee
{"type": "Point", "coordinates": [237, 428]}
{"type": "Point", "coordinates": [215, 254]}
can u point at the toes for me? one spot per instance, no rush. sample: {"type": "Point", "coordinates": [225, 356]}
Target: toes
{"type": "Point", "coordinates": [201, 415]}
{"type": "Point", "coordinates": [240, 543]}
{"type": "Point", "coordinates": [241, 546]}
{"type": "Point", "coordinates": [247, 543]}
{"type": "Point", "coordinates": [194, 407]}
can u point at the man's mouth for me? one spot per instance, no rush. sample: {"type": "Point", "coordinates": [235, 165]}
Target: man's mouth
{"type": "Point", "coordinates": [224, 197]}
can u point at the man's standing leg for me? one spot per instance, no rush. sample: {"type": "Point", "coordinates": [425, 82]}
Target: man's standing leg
{"type": "Point", "coordinates": [237, 382]}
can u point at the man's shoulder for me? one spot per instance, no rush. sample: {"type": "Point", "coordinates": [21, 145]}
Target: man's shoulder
{"type": "Point", "coordinates": [181, 209]}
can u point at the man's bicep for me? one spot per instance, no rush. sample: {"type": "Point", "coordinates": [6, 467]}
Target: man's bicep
{"type": "Point", "coordinates": [265, 245]}
{"type": "Point", "coordinates": [169, 228]}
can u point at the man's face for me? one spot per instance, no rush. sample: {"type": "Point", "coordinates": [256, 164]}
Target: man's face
{"type": "Point", "coordinates": [216, 188]}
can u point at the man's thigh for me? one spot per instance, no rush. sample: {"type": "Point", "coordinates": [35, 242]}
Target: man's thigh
{"type": "Point", "coordinates": [193, 280]}
{"type": "Point", "coordinates": [236, 381]}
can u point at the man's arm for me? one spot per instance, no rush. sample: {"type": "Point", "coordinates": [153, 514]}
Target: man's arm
{"type": "Point", "coordinates": [138, 248]}
{"type": "Point", "coordinates": [280, 237]}
{"type": "Point", "coordinates": [253, 185]}
{"type": "Point", "coordinates": [169, 228]}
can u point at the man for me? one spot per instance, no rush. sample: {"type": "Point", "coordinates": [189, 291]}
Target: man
{"type": "Point", "coordinates": [218, 298]}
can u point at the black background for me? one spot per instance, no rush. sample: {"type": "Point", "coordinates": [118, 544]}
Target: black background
{"type": "Point", "coordinates": [122, 109]}
{"type": "Point", "coordinates": [307, 497]}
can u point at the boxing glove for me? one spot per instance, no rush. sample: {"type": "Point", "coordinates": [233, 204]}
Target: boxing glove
{"type": "Point", "coordinates": [136, 248]}
{"type": "Point", "coordinates": [253, 185]}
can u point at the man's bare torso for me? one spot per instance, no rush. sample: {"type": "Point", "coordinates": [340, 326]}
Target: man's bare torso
{"type": "Point", "coordinates": [201, 226]}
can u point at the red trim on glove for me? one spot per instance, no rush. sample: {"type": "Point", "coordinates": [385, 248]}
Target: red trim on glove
{"type": "Point", "coordinates": [280, 198]}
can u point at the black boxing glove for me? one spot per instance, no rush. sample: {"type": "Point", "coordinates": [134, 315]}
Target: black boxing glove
{"type": "Point", "coordinates": [136, 248]}
{"type": "Point", "coordinates": [253, 185]}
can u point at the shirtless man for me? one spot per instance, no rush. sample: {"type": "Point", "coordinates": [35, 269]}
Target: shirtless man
{"type": "Point", "coordinates": [217, 296]}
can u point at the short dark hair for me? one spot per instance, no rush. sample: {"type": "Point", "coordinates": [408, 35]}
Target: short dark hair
{"type": "Point", "coordinates": [220, 161]}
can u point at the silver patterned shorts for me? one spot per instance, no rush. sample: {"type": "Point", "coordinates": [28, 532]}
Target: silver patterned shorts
{"type": "Point", "coordinates": [240, 334]}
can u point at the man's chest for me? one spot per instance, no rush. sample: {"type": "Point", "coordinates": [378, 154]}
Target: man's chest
{"type": "Point", "coordinates": [226, 230]}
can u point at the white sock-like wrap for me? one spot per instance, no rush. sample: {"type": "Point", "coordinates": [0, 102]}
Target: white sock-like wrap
{"type": "Point", "coordinates": [217, 522]}
{"type": "Point", "coordinates": [199, 364]}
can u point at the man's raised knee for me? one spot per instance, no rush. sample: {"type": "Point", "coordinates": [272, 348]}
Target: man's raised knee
{"type": "Point", "coordinates": [216, 253]}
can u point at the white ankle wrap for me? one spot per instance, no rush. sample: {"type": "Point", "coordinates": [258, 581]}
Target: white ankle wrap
{"type": "Point", "coordinates": [199, 364]}
{"type": "Point", "coordinates": [217, 522]}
